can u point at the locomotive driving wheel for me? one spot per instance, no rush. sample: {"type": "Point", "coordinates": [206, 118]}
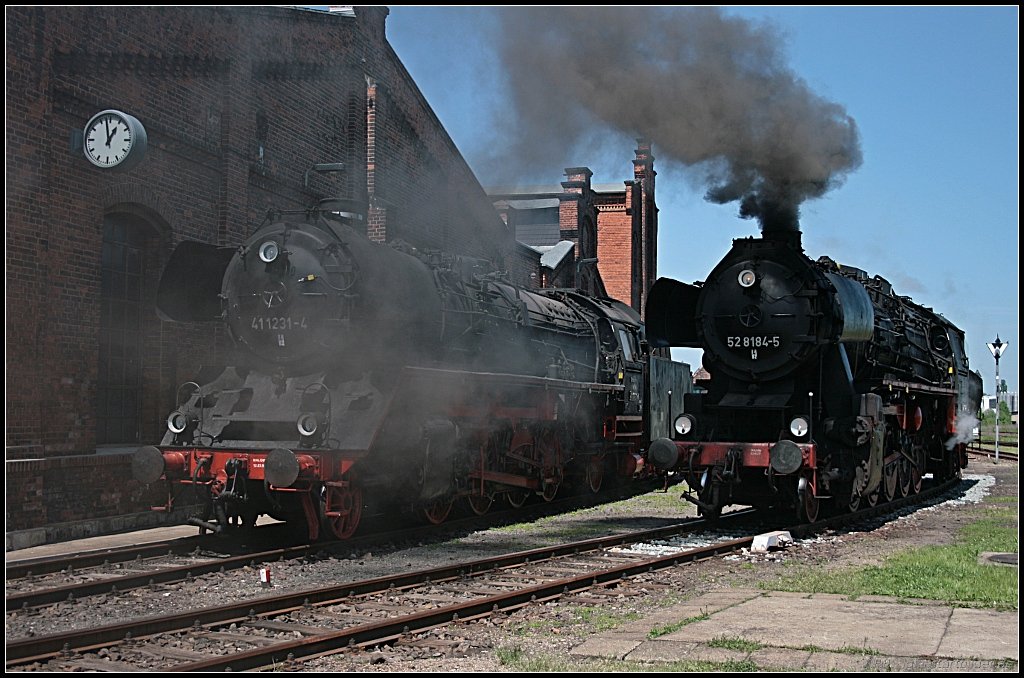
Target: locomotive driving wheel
{"type": "Point", "coordinates": [873, 496]}
{"type": "Point", "coordinates": [551, 469]}
{"type": "Point", "coordinates": [516, 498]}
{"type": "Point", "coordinates": [437, 511]}
{"type": "Point", "coordinates": [856, 496]}
{"type": "Point", "coordinates": [854, 499]}
{"type": "Point", "coordinates": [549, 490]}
{"type": "Point", "coordinates": [479, 504]}
{"type": "Point", "coordinates": [892, 480]}
{"type": "Point", "coordinates": [906, 470]}
{"type": "Point", "coordinates": [341, 509]}
{"type": "Point", "coordinates": [920, 456]}
{"type": "Point", "coordinates": [595, 472]}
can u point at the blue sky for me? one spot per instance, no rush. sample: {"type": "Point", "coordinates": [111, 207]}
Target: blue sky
{"type": "Point", "coordinates": [933, 207]}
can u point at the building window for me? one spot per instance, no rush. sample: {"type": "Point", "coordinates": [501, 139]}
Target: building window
{"type": "Point", "coordinates": [119, 383]}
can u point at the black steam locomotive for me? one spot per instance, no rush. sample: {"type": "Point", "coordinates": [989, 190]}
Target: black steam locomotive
{"type": "Point", "coordinates": [382, 376]}
{"type": "Point", "coordinates": [825, 385]}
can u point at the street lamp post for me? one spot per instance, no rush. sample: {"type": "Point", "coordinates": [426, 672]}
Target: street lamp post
{"type": "Point", "coordinates": [997, 347]}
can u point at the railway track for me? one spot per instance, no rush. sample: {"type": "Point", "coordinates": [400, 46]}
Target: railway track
{"type": "Point", "coordinates": [45, 581]}
{"type": "Point", "coordinates": [281, 631]}
{"type": "Point", "coordinates": [991, 453]}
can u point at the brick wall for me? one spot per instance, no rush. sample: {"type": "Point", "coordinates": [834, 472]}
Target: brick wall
{"type": "Point", "coordinates": [615, 247]}
{"type": "Point", "coordinates": [39, 494]}
{"type": "Point", "coordinates": [238, 104]}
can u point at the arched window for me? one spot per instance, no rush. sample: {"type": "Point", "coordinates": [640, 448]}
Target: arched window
{"type": "Point", "coordinates": [119, 382]}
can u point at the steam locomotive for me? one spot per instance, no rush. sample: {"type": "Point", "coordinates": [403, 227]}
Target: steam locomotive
{"type": "Point", "coordinates": [826, 387]}
{"type": "Point", "coordinates": [373, 376]}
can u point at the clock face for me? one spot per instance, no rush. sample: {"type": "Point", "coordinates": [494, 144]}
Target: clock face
{"type": "Point", "coordinates": [112, 138]}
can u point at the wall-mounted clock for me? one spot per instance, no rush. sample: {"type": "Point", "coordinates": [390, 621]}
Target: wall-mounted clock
{"type": "Point", "coordinates": [114, 140]}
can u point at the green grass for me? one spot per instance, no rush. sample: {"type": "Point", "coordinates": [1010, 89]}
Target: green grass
{"type": "Point", "coordinates": [599, 619]}
{"type": "Point", "coordinates": [517, 660]}
{"type": "Point", "coordinates": [846, 649]}
{"type": "Point", "coordinates": [735, 644]}
{"type": "Point", "coordinates": [945, 573]}
{"type": "Point", "coordinates": [659, 631]}
{"type": "Point", "coordinates": [602, 620]}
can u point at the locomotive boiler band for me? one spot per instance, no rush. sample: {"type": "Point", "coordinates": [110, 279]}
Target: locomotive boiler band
{"type": "Point", "coordinates": [382, 375]}
{"type": "Point", "coordinates": [825, 384]}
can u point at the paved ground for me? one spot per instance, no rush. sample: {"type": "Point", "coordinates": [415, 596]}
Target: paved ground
{"type": "Point", "coordinates": [819, 632]}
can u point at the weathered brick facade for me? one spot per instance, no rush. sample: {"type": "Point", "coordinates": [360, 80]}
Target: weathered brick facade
{"type": "Point", "coordinates": [239, 103]}
{"type": "Point", "coordinates": [618, 227]}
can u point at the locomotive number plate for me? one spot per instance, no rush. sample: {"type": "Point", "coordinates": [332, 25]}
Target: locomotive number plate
{"type": "Point", "coordinates": [754, 342]}
{"type": "Point", "coordinates": [278, 323]}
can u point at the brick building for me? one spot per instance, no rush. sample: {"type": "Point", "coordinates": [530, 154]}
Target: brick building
{"type": "Point", "coordinates": [612, 226]}
{"type": "Point", "coordinates": [238, 104]}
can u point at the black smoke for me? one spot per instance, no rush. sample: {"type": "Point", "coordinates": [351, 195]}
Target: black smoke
{"type": "Point", "coordinates": [710, 91]}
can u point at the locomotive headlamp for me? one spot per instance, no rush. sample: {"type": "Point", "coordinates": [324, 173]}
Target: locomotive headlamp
{"type": "Point", "coordinates": [308, 424]}
{"type": "Point", "coordinates": [178, 422]}
{"type": "Point", "coordinates": [684, 424]}
{"type": "Point", "coordinates": [747, 278]}
{"type": "Point", "coordinates": [269, 251]}
{"type": "Point", "coordinates": [799, 427]}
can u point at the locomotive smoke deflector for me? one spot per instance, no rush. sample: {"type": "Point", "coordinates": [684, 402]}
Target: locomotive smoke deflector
{"type": "Point", "coordinates": [858, 321]}
{"type": "Point", "coordinates": [190, 285]}
{"type": "Point", "coordinates": [669, 314]}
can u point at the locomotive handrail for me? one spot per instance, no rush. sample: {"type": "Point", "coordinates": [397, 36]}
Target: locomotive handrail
{"type": "Point", "coordinates": [918, 387]}
{"type": "Point", "coordinates": [519, 379]}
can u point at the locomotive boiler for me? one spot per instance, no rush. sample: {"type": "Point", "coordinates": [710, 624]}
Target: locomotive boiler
{"type": "Point", "coordinates": [825, 385]}
{"type": "Point", "coordinates": [383, 376]}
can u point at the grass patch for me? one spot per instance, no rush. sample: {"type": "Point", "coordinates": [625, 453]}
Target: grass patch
{"type": "Point", "coordinates": [850, 649]}
{"type": "Point", "coordinates": [846, 649]}
{"type": "Point", "coordinates": [602, 620]}
{"type": "Point", "coordinates": [597, 618]}
{"type": "Point", "coordinates": [735, 644]}
{"type": "Point", "coordinates": [659, 631]}
{"type": "Point", "coordinates": [517, 660]}
{"type": "Point", "coordinates": [946, 573]}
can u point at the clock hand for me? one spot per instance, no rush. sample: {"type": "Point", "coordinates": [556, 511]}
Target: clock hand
{"type": "Point", "coordinates": [109, 135]}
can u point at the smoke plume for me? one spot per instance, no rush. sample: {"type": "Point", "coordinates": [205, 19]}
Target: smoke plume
{"type": "Point", "coordinates": [710, 91]}
{"type": "Point", "coordinates": [965, 425]}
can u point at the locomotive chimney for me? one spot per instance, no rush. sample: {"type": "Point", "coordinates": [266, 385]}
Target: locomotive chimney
{"type": "Point", "coordinates": [788, 236]}
{"type": "Point", "coordinates": [779, 219]}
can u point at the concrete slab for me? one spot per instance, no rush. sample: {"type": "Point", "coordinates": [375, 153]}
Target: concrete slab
{"type": "Point", "coordinates": [827, 624]}
{"type": "Point", "coordinates": [821, 633]}
{"type": "Point", "coordinates": [603, 647]}
{"type": "Point", "coordinates": [835, 661]}
{"type": "Point", "coordinates": [678, 650]}
{"type": "Point", "coordinates": [981, 633]}
{"type": "Point", "coordinates": [779, 658]}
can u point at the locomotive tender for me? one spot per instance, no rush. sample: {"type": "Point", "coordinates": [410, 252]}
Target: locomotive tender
{"type": "Point", "coordinates": [826, 386]}
{"type": "Point", "coordinates": [384, 376]}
